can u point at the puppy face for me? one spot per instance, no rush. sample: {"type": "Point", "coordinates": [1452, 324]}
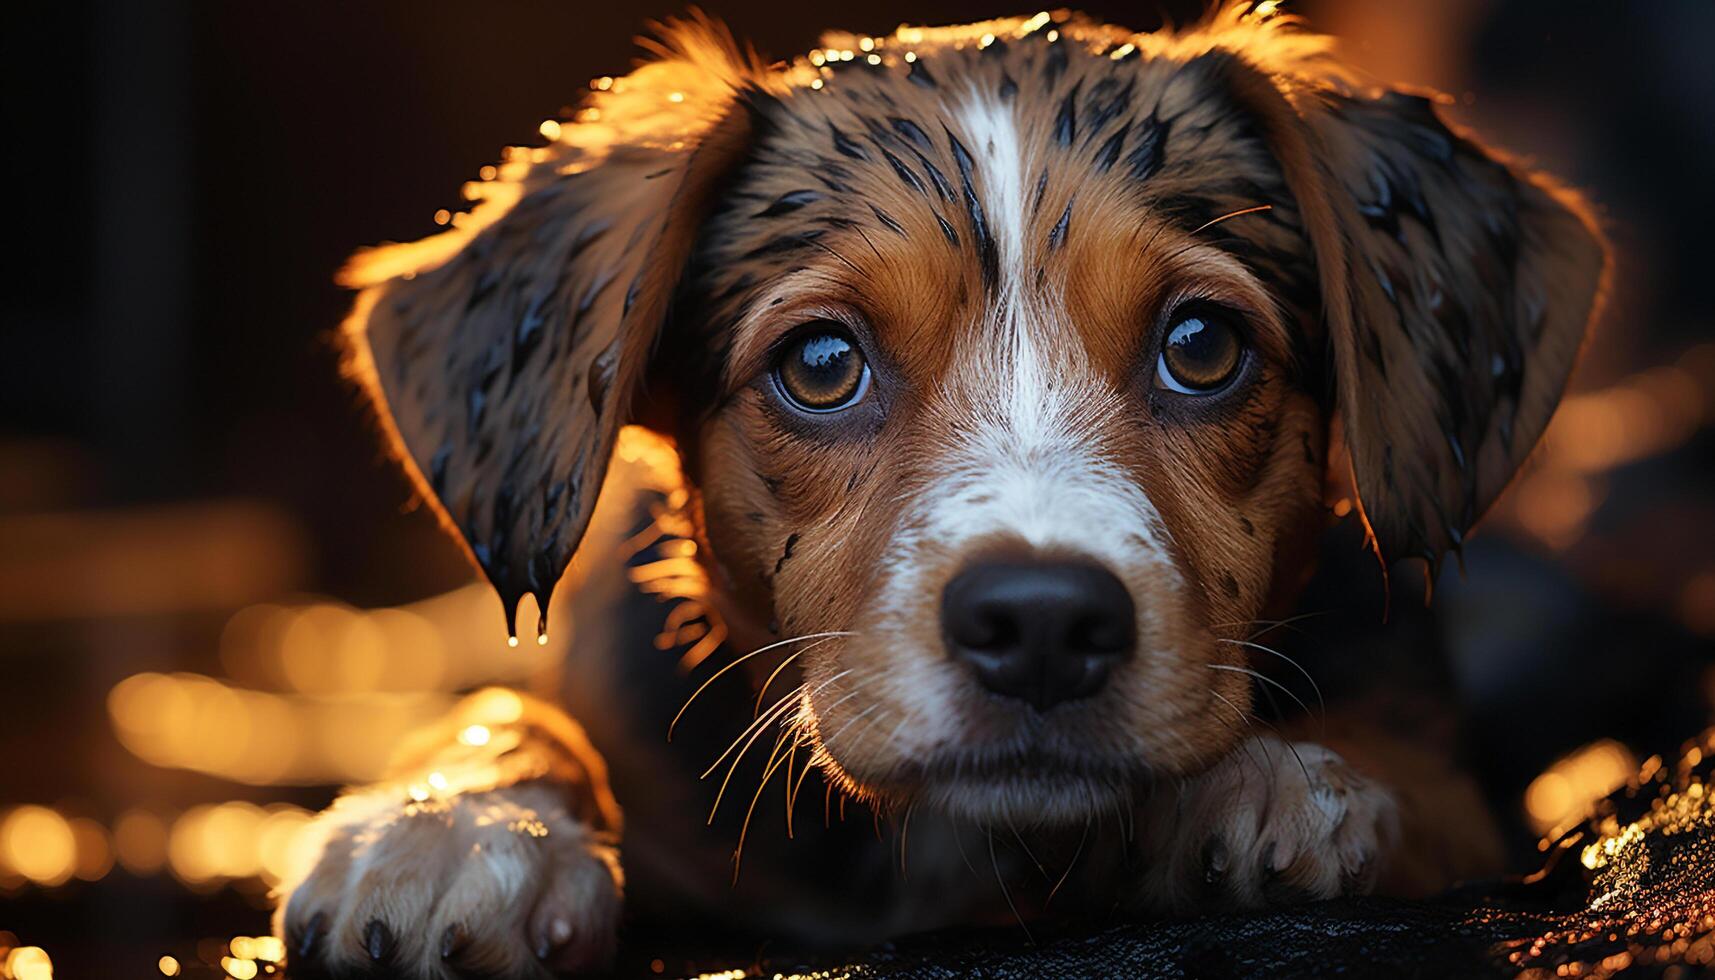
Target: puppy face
{"type": "Point", "coordinates": [1007, 358]}
{"type": "Point", "coordinates": [991, 405]}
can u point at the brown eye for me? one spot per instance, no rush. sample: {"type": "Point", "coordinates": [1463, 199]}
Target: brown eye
{"type": "Point", "coordinates": [1201, 356]}
{"type": "Point", "coordinates": [821, 369]}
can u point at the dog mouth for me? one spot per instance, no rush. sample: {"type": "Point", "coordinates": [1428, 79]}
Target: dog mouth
{"type": "Point", "coordinates": [1030, 786]}
{"type": "Point", "coordinates": [1030, 764]}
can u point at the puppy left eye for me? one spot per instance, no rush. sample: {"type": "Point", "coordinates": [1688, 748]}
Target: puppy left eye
{"type": "Point", "coordinates": [821, 369]}
{"type": "Point", "coordinates": [1202, 354]}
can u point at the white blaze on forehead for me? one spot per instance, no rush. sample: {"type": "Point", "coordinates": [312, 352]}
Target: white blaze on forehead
{"type": "Point", "coordinates": [1027, 453]}
{"type": "Point", "coordinates": [1025, 458]}
{"type": "Point", "coordinates": [991, 135]}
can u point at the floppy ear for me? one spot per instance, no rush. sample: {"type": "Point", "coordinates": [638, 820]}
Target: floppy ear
{"type": "Point", "coordinates": [1461, 289]}
{"type": "Point", "coordinates": [502, 355]}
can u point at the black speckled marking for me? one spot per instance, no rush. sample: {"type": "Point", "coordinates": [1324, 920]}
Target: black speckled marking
{"type": "Point", "coordinates": [906, 174]}
{"type": "Point", "coordinates": [788, 203]}
{"type": "Point", "coordinates": [784, 244]}
{"type": "Point", "coordinates": [483, 289]}
{"type": "Point", "coordinates": [600, 379]}
{"type": "Point", "coordinates": [1230, 584]}
{"type": "Point", "coordinates": [1057, 236]}
{"type": "Point", "coordinates": [947, 230]}
{"type": "Point", "coordinates": [528, 334]}
{"type": "Point", "coordinates": [911, 131]}
{"type": "Point", "coordinates": [786, 552]}
{"type": "Point", "coordinates": [1145, 158]}
{"type": "Point", "coordinates": [943, 189]}
{"type": "Point", "coordinates": [1109, 153]}
{"type": "Point", "coordinates": [846, 145]}
{"type": "Point", "coordinates": [887, 219]}
{"type": "Point", "coordinates": [1055, 64]}
{"type": "Point", "coordinates": [919, 73]}
{"type": "Point", "coordinates": [974, 209]}
{"type": "Point", "coordinates": [631, 295]}
{"type": "Point", "coordinates": [1066, 121]}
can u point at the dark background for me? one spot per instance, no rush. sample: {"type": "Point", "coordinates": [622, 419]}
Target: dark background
{"type": "Point", "coordinates": [176, 445]}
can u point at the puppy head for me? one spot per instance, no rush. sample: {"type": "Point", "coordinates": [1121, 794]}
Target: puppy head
{"type": "Point", "coordinates": [1006, 359]}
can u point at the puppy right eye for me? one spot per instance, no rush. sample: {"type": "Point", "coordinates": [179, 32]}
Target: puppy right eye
{"type": "Point", "coordinates": [1202, 355]}
{"type": "Point", "coordinates": [821, 368]}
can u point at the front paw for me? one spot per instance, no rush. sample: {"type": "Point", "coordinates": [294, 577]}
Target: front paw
{"type": "Point", "coordinates": [1273, 823]}
{"type": "Point", "coordinates": [504, 883]}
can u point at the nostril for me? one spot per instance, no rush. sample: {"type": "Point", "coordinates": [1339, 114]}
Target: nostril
{"type": "Point", "coordinates": [991, 626]}
{"type": "Point", "coordinates": [1099, 634]}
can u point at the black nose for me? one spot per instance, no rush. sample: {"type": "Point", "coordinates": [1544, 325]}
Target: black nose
{"type": "Point", "coordinates": [1040, 631]}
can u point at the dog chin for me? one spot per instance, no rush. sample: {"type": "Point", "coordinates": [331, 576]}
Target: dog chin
{"type": "Point", "coordinates": [1026, 799]}
{"type": "Point", "coordinates": [1016, 793]}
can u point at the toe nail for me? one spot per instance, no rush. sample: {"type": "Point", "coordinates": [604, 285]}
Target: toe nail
{"type": "Point", "coordinates": [1214, 860]}
{"type": "Point", "coordinates": [452, 941]}
{"type": "Point", "coordinates": [1268, 865]}
{"type": "Point", "coordinates": [559, 931]}
{"type": "Point", "coordinates": [378, 940]}
{"type": "Point", "coordinates": [312, 931]}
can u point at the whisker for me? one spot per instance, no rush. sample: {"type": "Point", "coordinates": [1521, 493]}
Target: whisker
{"type": "Point", "coordinates": [1246, 721]}
{"type": "Point", "coordinates": [1269, 625]}
{"type": "Point", "coordinates": [1231, 214]}
{"type": "Point", "coordinates": [792, 785]}
{"type": "Point", "coordinates": [1320, 702]}
{"type": "Point", "coordinates": [1069, 866]}
{"type": "Point", "coordinates": [1266, 680]}
{"type": "Point", "coordinates": [782, 665]}
{"type": "Point", "coordinates": [1277, 734]}
{"type": "Point", "coordinates": [754, 730]}
{"type": "Point", "coordinates": [775, 758]}
{"type": "Point", "coordinates": [1199, 229]}
{"type": "Point", "coordinates": [959, 842]}
{"type": "Point", "coordinates": [759, 650]}
{"type": "Point", "coordinates": [995, 863]}
{"type": "Point", "coordinates": [1026, 848]}
{"type": "Point", "coordinates": [904, 831]}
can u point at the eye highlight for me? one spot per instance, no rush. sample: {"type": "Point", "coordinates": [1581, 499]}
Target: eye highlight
{"type": "Point", "coordinates": [821, 368]}
{"type": "Point", "coordinates": [1201, 355]}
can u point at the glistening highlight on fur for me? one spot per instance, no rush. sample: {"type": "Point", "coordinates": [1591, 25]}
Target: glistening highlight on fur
{"type": "Point", "coordinates": [1006, 573]}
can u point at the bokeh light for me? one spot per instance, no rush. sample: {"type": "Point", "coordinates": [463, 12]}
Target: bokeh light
{"type": "Point", "coordinates": [29, 963]}
{"type": "Point", "coordinates": [140, 841]}
{"type": "Point", "coordinates": [39, 844]}
{"type": "Point", "coordinates": [1567, 790]}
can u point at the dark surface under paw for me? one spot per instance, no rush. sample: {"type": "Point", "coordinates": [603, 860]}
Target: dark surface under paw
{"type": "Point", "coordinates": [1630, 893]}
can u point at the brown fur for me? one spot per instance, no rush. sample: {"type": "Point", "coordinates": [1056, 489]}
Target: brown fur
{"type": "Point", "coordinates": [1412, 304]}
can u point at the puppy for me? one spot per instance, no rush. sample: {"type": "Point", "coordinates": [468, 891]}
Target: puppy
{"type": "Point", "coordinates": [1008, 372]}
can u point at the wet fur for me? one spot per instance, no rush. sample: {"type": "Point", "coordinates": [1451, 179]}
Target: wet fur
{"type": "Point", "coordinates": [1006, 214]}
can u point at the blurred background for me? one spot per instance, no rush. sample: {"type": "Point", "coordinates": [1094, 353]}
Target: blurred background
{"type": "Point", "coordinates": [216, 603]}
